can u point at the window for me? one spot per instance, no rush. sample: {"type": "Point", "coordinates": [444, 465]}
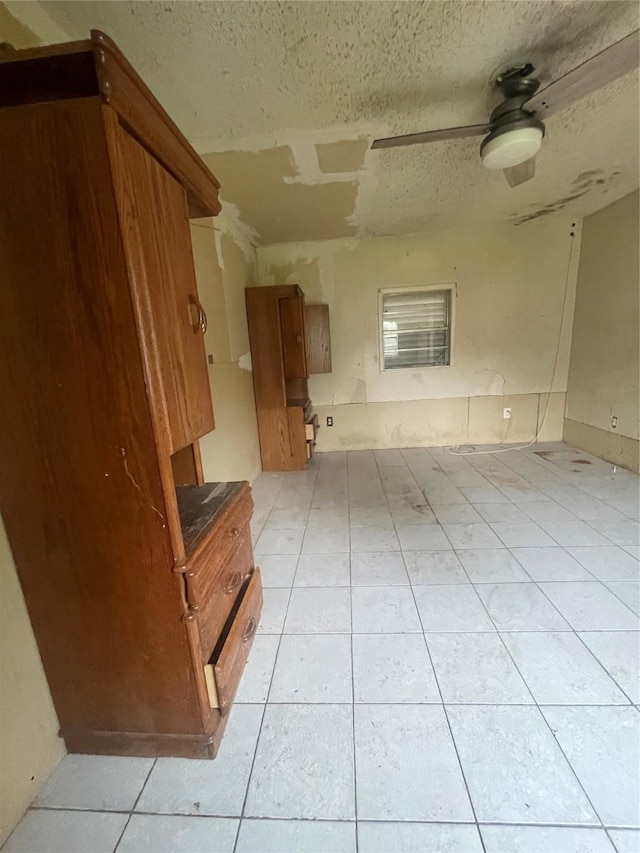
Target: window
{"type": "Point", "coordinates": [416, 327]}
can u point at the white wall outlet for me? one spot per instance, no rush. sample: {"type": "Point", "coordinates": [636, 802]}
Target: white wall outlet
{"type": "Point", "coordinates": [329, 421]}
{"type": "Point", "coordinates": [506, 413]}
{"type": "Point", "coordinates": [614, 422]}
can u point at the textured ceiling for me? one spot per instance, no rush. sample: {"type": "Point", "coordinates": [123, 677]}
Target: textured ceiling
{"type": "Point", "coordinates": [284, 98]}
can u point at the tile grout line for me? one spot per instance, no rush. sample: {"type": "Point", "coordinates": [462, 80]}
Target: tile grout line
{"type": "Point", "coordinates": [553, 734]}
{"type": "Point", "coordinates": [562, 480]}
{"type": "Point", "coordinates": [564, 548]}
{"type": "Point", "coordinates": [565, 482]}
{"type": "Point", "coordinates": [427, 822]}
{"type": "Point", "coordinates": [411, 585]}
{"type": "Point", "coordinates": [444, 709]}
{"type": "Point", "coordinates": [527, 687]}
{"type": "Point", "coordinates": [573, 630]}
{"type": "Point", "coordinates": [133, 808]}
{"type": "Point", "coordinates": [571, 627]}
{"type": "Point", "coordinates": [483, 703]}
{"type": "Point", "coordinates": [455, 745]}
{"type": "Point", "coordinates": [604, 669]}
{"type": "Point", "coordinates": [353, 704]}
{"type": "Point", "coordinates": [242, 815]}
{"type": "Point", "coordinates": [620, 599]}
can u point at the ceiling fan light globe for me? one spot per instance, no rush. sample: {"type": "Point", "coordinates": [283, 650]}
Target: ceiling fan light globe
{"type": "Point", "coordinates": [511, 147]}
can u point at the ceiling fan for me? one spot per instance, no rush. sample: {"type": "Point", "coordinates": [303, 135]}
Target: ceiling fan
{"type": "Point", "coordinates": [514, 132]}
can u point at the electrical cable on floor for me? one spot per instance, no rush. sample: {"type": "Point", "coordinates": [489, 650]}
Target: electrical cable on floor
{"type": "Point", "coordinates": [461, 450]}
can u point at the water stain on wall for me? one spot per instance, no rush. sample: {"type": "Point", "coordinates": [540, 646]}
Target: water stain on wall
{"type": "Point", "coordinates": [585, 182]}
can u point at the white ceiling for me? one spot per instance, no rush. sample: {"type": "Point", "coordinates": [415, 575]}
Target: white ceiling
{"type": "Point", "coordinates": [251, 76]}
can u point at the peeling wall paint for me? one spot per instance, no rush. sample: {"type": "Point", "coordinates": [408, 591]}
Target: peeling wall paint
{"type": "Point", "coordinates": [282, 190]}
{"type": "Point", "coordinates": [230, 222]}
{"type": "Point", "coordinates": [324, 77]}
{"type": "Point", "coordinates": [342, 156]}
{"type": "Point", "coordinates": [510, 288]}
{"type": "Point", "coordinates": [245, 363]}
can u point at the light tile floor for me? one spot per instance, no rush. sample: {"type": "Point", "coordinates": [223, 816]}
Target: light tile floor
{"type": "Point", "coordinates": [448, 660]}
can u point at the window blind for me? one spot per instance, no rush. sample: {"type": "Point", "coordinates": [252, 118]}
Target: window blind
{"type": "Point", "coordinates": [416, 328]}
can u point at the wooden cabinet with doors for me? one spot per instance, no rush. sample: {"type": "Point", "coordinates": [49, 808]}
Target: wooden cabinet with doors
{"type": "Point", "coordinates": [280, 359]}
{"type": "Point", "coordinates": [139, 577]}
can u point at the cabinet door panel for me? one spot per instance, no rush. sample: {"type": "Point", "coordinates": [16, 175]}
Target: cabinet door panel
{"type": "Point", "coordinates": [318, 337]}
{"type": "Point", "coordinates": [263, 321]}
{"type": "Point", "coordinates": [293, 343]}
{"type": "Point", "coordinates": [155, 226]}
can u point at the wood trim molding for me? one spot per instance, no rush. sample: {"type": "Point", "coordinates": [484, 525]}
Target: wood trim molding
{"type": "Point", "coordinates": [123, 89]}
{"type": "Point", "coordinates": [277, 291]}
{"type": "Point", "coordinates": [84, 69]}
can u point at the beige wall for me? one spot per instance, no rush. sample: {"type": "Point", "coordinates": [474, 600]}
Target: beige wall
{"type": "Point", "coordinates": [510, 286]}
{"type": "Point", "coordinates": [14, 32]}
{"type": "Point", "coordinates": [29, 744]}
{"type": "Point", "coordinates": [225, 265]}
{"type": "Point", "coordinates": [603, 373]}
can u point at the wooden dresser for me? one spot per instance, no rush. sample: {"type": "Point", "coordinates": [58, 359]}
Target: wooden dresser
{"type": "Point", "coordinates": [282, 352]}
{"type": "Point", "coordinates": [139, 578]}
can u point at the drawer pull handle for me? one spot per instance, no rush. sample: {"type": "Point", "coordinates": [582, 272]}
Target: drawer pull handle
{"type": "Point", "coordinates": [197, 315]}
{"type": "Point", "coordinates": [233, 533]}
{"type": "Point", "coordinates": [249, 631]}
{"type": "Point", "coordinates": [233, 583]}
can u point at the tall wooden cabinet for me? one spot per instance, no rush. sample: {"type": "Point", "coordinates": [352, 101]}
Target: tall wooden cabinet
{"type": "Point", "coordinates": [138, 576]}
{"type": "Point", "coordinates": [281, 356]}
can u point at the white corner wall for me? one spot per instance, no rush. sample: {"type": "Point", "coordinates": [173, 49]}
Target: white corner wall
{"type": "Point", "coordinates": [225, 265]}
{"type": "Point", "coordinates": [511, 318]}
{"type": "Point", "coordinates": [29, 744]}
{"type": "Point", "coordinates": [605, 357]}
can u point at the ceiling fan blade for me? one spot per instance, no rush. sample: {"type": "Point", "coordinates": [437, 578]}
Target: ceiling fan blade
{"type": "Point", "coordinates": [431, 136]}
{"type": "Point", "coordinates": [521, 173]}
{"type": "Point", "coordinates": [614, 61]}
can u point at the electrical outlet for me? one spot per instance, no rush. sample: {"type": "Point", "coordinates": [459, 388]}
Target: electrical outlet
{"type": "Point", "coordinates": [210, 358]}
{"type": "Point", "coordinates": [614, 422]}
{"type": "Point", "coordinates": [329, 421]}
{"type": "Point", "coordinates": [506, 414]}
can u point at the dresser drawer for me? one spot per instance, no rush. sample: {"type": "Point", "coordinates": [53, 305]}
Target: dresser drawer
{"type": "Point", "coordinates": [225, 667]}
{"type": "Point", "coordinates": [213, 594]}
{"type": "Point", "coordinates": [311, 428]}
{"type": "Point", "coordinates": [215, 549]}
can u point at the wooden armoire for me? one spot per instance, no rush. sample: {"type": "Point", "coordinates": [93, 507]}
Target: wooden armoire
{"type": "Point", "coordinates": [289, 341]}
{"type": "Point", "coordinates": [138, 576]}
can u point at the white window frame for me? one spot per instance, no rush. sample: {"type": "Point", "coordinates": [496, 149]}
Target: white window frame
{"type": "Point", "coordinates": [453, 292]}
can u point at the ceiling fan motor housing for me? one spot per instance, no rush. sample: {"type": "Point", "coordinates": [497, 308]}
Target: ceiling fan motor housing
{"type": "Point", "coordinates": [525, 131]}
